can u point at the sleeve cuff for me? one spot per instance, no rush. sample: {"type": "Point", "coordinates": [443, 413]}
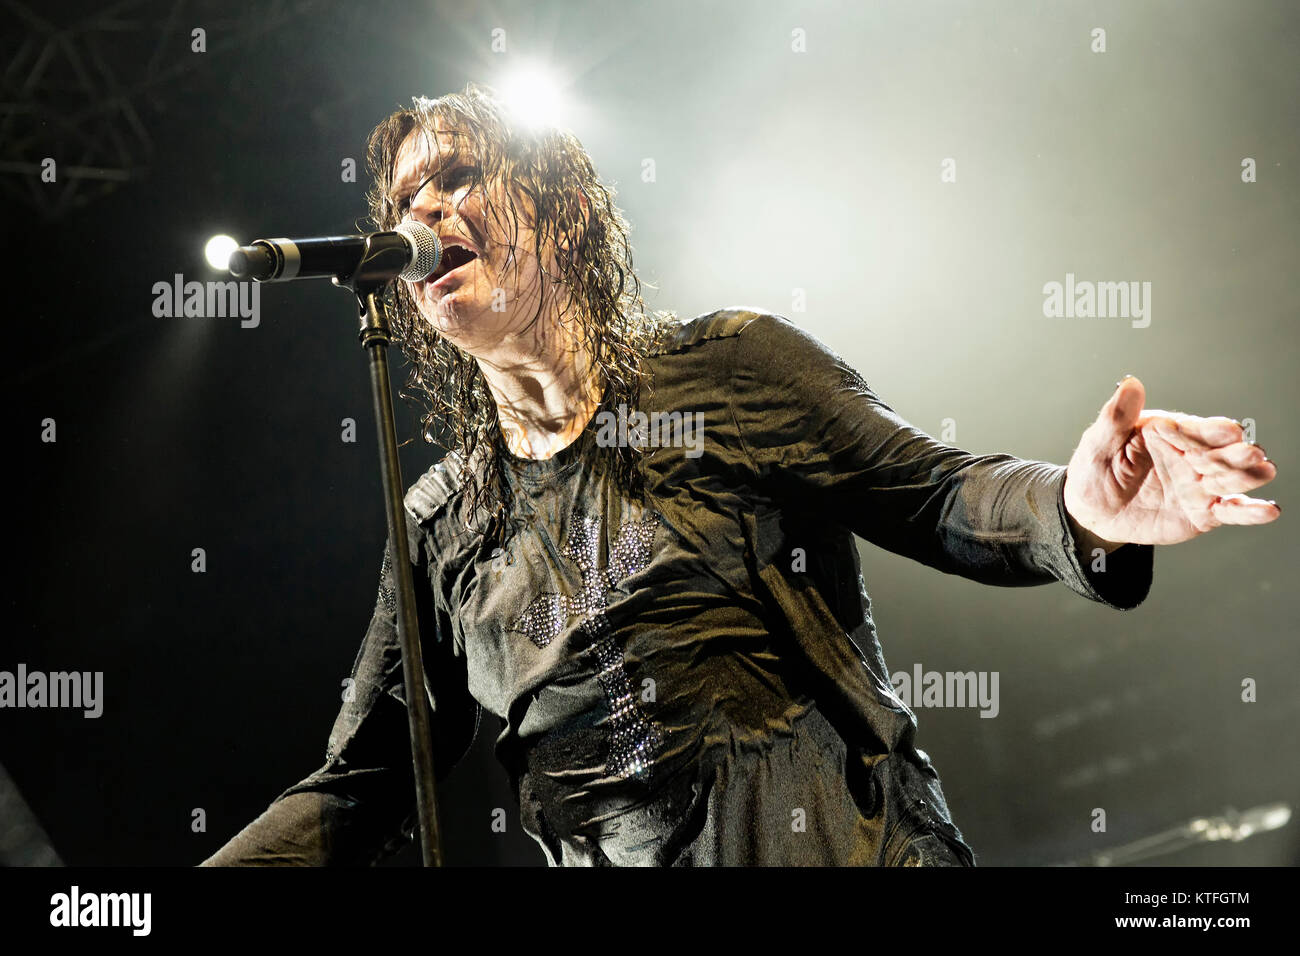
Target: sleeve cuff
{"type": "Point", "coordinates": [1121, 579]}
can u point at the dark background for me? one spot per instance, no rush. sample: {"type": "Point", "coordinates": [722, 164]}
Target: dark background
{"type": "Point", "coordinates": [776, 171]}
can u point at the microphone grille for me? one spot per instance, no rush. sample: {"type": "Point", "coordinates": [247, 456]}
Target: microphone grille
{"type": "Point", "coordinates": [426, 247]}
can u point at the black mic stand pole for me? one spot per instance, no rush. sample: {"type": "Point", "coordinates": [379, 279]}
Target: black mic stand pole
{"type": "Point", "coordinates": [375, 271]}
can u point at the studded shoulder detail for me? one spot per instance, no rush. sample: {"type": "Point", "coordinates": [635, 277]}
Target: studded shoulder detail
{"type": "Point", "coordinates": [431, 492]}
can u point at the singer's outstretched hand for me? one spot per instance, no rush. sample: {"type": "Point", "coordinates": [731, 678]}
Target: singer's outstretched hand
{"type": "Point", "coordinates": [1156, 477]}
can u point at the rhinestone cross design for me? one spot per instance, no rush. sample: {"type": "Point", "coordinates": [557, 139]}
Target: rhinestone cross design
{"type": "Point", "coordinates": [634, 740]}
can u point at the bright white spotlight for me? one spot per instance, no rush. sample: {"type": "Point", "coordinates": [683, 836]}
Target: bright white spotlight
{"type": "Point", "coordinates": [533, 97]}
{"type": "Point", "coordinates": [218, 251]}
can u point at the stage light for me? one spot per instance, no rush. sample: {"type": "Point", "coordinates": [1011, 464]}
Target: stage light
{"type": "Point", "coordinates": [218, 251]}
{"type": "Point", "coordinates": [533, 96]}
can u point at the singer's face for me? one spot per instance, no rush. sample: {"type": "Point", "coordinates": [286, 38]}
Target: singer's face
{"type": "Point", "coordinates": [485, 303]}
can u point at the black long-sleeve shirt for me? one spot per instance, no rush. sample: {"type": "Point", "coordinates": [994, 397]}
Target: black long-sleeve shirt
{"type": "Point", "coordinates": [692, 677]}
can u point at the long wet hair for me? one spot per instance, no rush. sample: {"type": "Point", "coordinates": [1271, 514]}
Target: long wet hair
{"type": "Point", "coordinates": [604, 305]}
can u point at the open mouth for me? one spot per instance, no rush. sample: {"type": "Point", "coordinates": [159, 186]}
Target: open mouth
{"type": "Point", "coordinates": [453, 257]}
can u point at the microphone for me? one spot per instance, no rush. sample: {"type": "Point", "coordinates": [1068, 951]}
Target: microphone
{"type": "Point", "coordinates": [411, 251]}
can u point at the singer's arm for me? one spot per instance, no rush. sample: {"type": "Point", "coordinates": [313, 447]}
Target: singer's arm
{"type": "Point", "coordinates": [819, 435]}
{"type": "Point", "coordinates": [360, 806]}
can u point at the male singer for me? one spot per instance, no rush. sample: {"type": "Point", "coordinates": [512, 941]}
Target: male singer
{"type": "Point", "coordinates": [639, 553]}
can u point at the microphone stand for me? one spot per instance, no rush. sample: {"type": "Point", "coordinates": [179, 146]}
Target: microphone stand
{"type": "Point", "coordinates": [378, 267]}
{"type": "Point", "coordinates": [1230, 825]}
